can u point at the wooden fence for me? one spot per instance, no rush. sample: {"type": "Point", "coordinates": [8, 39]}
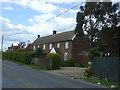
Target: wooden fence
{"type": "Point", "coordinates": [42, 62]}
{"type": "Point", "coordinates": [108, 67]}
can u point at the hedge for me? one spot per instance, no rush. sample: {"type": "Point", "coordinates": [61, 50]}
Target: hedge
{"type": "Point", "coordinates": [24, 57]}
{"type": "Point", "coordinates": [55, 60]}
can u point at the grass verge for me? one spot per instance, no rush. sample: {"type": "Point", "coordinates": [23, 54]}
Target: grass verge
{"type": "Point", "coordinates": [38, 67]}
{"type": "Point", "coordinates": [102, 82]}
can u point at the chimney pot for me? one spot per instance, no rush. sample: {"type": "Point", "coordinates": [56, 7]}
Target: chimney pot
{"type": "Point", "coordinates": [38, 36]}
{"type": "Point", "coordinates": [54, 32]}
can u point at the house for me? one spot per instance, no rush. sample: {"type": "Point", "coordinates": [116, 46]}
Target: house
{"type": "Point", "coordinates": [22, 45]}
{"type": "Point", "coordinates": [67, 44]}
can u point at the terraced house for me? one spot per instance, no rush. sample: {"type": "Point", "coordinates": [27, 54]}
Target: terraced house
{"type": "Point", "coordinates": [67, 44]}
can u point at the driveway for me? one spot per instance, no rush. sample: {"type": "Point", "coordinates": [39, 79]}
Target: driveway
{"type": "Point", "coordinates": [76, 72]}
{"type": "Point", "coordinates": [16, 76]}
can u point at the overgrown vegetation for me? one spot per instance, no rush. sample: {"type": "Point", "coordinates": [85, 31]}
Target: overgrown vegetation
{"type": "Point", "coordinates": [54, 60]}
{"type": "Point", "coordinates": [93, 52]}
{"type": "Point", "coordinates": [69, 63]}
{"type": "Point", "coordinates": [88, 71]}
{"type": "Point", "coordinates": [23, 57]}
{"type": "Point", "coordinates": [101, 81]}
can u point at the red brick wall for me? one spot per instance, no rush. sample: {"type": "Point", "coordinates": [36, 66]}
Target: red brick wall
{"type": "Point", "coordinates": [80, 44]}
{"type": "Point", "coordinates": [60, 50]}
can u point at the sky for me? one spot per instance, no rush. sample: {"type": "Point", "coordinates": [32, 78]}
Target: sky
{"type": "Point", "coordinates": [22, 20]}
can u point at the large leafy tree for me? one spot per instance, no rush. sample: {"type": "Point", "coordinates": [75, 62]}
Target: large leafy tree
{"type": "Point", "coordinates": [94, 16]}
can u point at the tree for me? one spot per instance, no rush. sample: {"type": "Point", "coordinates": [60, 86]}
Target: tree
{"type": "Point", "coordinates": [94, 16]}
{"type": "Point", "coordinates": [111, 43]}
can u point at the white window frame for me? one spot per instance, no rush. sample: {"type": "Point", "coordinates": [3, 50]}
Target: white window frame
{"type": "Point", "coordinates": [58, 45]}
{"type": "Point", "coordinates": [38, 46]}
{"type": "Point", "coordinates": [44, 46]}
{"type": "Point", "coordinates": [34, 47]}
{"type": "Point", "coordinates": [50, 46]}
{"type": "Point", "coordinates": [66, 56]}
{"type": "Point", "coordinates": [66, 45]}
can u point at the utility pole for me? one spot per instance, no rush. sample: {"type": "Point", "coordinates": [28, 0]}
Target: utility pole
{"type": "Point", "coordinates": [2, 44]}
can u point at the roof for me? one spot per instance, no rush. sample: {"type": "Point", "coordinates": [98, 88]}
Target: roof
{"type": "Point", "coordinates": [14, 47]}
{"type": "Point", "coordinates": [65, 36]}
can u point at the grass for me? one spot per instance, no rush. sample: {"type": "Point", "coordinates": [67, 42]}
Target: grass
{"type": "Point", "coordinates": [38, 67]}
{"type": "Point", "coordinates": [102, 82]}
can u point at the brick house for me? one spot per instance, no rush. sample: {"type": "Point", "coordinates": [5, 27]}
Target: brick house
{"type": "Point", "coordinates": [67, 44]}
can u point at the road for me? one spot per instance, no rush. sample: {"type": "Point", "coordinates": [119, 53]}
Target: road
{"type": "Point", "coordinates": [17, 76]}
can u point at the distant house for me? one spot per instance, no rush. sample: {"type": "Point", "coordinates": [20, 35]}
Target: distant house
{"type": "Point", "coordinates": [13, 48]}
{"type": "Point", "coordinates": [67, 44]}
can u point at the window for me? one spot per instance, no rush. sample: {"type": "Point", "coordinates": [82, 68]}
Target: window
{"type": "Point", "coordinates": [38, 46]}
{"type": "Point", "coordinates": [44, 46]}
{"type": "Point", "coordinates": [66, 45]}
{"type": "Point", "coordinates": [58, 45]}
{"type": "Point", "coordinates": [33, 47]}
{"type": "Point", "coordinates": [50, 45]}
{"type": "Point", "coordinates": [65, 56]}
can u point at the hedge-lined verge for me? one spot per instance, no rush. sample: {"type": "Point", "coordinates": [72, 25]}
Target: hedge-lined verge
{"type": "Point", "coordinates": [23, 57]}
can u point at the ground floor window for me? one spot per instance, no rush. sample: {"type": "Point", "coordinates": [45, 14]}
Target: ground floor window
{"type": "Point", "coordinates": [65, 56]}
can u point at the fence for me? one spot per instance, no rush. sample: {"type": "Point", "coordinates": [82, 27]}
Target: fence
{"type": "Point", "coordinates": [42, 62]}
{"type": "Point", "coordinates": [108, 67]}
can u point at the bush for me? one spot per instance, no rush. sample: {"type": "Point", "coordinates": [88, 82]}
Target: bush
{"type": "Point", "coordinates": [24, 57]}
{"type": "Point", "coordinates": [94, 52]}
{"type": "Point", "coordinates": [88, 71]}
{"type": "Point", "coordinates": [69, 63]}
{"type": "Point", "coordinates": [55, 60]}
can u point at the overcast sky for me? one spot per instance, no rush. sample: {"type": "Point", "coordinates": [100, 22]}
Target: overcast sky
{"type": "Point", "coordinates": [21, 19]}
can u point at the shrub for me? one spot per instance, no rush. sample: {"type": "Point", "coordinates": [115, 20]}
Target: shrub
{"type": "Point", "coordinates": [94, 52]}
{"type": "Point", "coordinates": [69, 63]}
{"type": "Point", "coordinates": [54, 59]}
{"type": "Point", "coordinates": [88, 71]}
{"type": "Point", "coordinates": [24, 57]}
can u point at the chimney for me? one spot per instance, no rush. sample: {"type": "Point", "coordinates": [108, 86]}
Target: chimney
{"type": "Point", "coordinates": [38, 36]}
{"type": "Point", "coordinates": [54, 32]}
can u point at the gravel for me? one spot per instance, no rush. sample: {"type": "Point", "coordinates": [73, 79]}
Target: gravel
{"type": "Point", "coordinates": [73, 72]}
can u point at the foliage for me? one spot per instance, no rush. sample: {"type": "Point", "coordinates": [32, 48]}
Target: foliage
{"type": "Point", "coordinates": [103, 82]}
{"type": "Point", "coordinates": [111, 43]}
{"type": "Point", "coordinates": [54, 59]}
{"type": "Point", "coordinates": [88, 71]}
{"type": "Point", "coordinates": [38, 52]}
{"type": "Point", "coordinates": [93, 52]}
{"type": "Point", "coordinates": [92, 18]}
{"type": "Point", "coordinates": [24, 57]}
{"type": "Point", "coordinates": [69, 63]}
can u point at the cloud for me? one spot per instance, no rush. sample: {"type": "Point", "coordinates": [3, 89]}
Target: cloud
{"type": "Point", "coordinates": [38, 5]}
{"type": "Point", "coordinates": [14, 33]}
{"type": "Point", "coordinates": [8, 8]}
{"type": "Point", "coordinates": [46, 28]}
{"type": "Point", "coordinates": [42, 6]}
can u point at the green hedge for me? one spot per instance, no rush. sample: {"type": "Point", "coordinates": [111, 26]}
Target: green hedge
{"type": "Point", "coordinates": [69, 63]}
{"type": "Point", "coordinates": [94, 52]}
{"type": "Point", "coordinates": [24, 57]}
{"type": "Point", "coordinates": [55, 60]}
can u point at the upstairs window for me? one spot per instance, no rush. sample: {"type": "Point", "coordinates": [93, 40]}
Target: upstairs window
{"type": "Point", "coordinates": [66, 45]}
{"type": "Point", "coordinates": [50, 45]}
{"type": "Point", "coordinates": [38, 46]}
{"type": "Point", "coordinates": [58, 45]}
{"type": "Point", "coordinates": [44, 46]}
